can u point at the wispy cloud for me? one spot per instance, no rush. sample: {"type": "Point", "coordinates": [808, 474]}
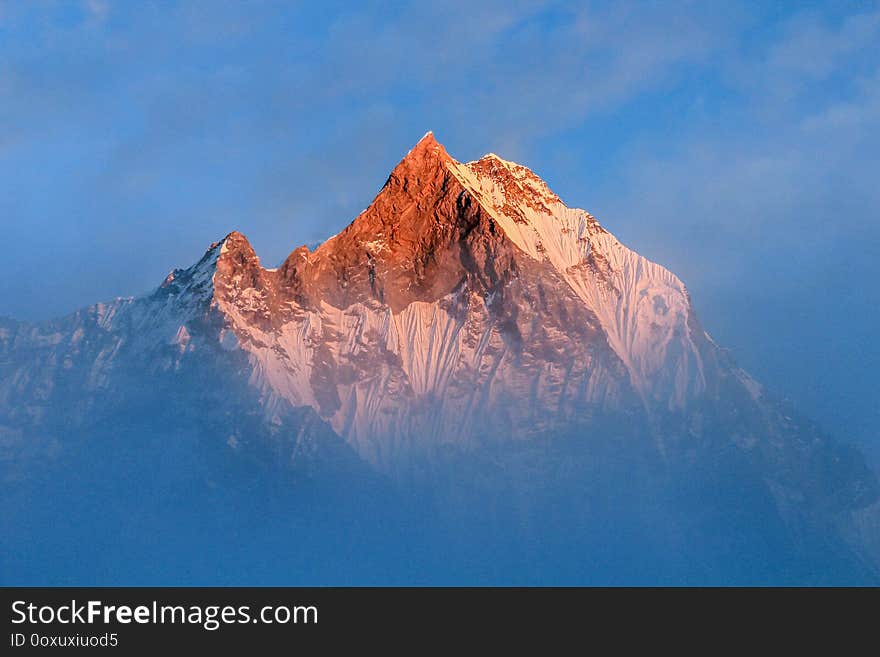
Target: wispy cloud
{"type": "Point", "coordinates": [97, 9]}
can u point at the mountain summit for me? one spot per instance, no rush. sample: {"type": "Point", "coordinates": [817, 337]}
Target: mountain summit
{"type": "Point", "coordinates": [469, 334]}
{"type": "Point", "coordinates": [467, 301]}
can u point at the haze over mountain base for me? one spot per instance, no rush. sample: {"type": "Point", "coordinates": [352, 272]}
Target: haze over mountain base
{"type": "Point", "coordinates": [472, 383]}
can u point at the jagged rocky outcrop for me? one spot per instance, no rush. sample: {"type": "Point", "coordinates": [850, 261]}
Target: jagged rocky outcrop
{"type": "Point", "coordinates": [467, 321]}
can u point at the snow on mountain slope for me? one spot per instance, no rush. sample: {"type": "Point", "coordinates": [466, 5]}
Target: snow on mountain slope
{"type": "Point", "coordinates": [392, 383]}
{"type": "Point", "coordinates": [644, 309]}
{"type": "Point", "coordinates": [467, 300]}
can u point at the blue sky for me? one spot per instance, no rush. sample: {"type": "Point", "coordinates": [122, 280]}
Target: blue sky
{"type": "Point", "coordinates": [736, 143]}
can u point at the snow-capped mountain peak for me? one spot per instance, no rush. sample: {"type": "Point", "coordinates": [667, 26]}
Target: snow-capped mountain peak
{"type": "Point", "coordinates": [460, 291]}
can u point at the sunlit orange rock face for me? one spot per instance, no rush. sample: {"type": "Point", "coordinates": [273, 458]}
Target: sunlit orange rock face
{"type": "Point", "coordinates": [423, 236]}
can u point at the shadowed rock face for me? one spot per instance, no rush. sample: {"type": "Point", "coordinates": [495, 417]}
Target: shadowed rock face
{"type": "Point", "coordinates": [468, 336]}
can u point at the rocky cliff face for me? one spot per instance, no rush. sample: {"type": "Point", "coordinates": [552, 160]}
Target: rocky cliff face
{"type": "Point", "coordinates": [466, 312]}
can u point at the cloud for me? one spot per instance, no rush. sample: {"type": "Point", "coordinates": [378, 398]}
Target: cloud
{"type": "Point", "coordinates": [812, 48]}
{"type": "Point", "coordinates": [97, 10]}
{"type": "Point", "coordinates": [797, 148]}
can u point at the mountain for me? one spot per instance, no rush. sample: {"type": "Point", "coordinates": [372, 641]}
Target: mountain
{"type": "Point", "coordinates": [471, 344]}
